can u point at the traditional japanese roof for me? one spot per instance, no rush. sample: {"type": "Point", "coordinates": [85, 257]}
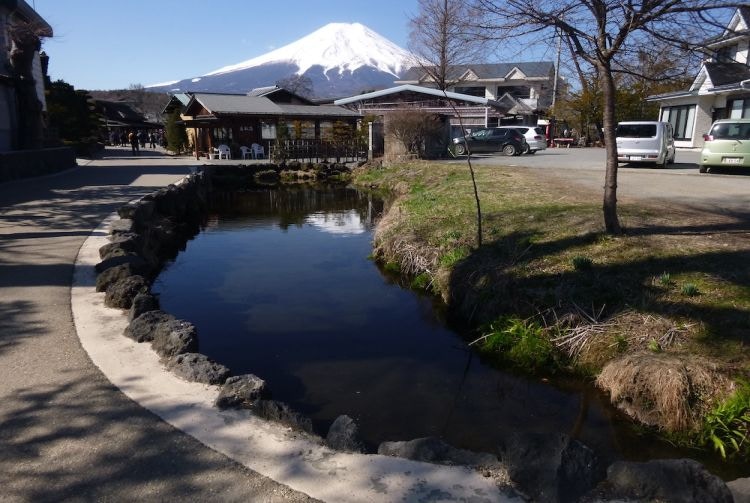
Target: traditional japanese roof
{"type": "Point", "coordinates": [489, 71]}
{"type": "Point", "coordinates": [428, 91]}
{"type": "Point", "coordinates": [240, 104]}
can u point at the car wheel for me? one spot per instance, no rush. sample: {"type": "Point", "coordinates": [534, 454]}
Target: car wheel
{"type": "Point", "coordinates": [509, 150]}
{"type": "Point", "coordinates": [527, 150]}
{"type": "Point", "coordinates": [702, 169]}
{"type": "Point", "coordinates": [460, 149]}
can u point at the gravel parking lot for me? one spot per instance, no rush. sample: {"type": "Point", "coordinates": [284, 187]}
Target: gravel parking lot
{"type": "Point", "coordinates": [680, 183]}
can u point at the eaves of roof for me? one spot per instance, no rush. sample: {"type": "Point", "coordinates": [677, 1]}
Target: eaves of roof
{"type": "Point", "coordinates": [420, 90]}
{"type": "Point", "coordinates": [672, 95]}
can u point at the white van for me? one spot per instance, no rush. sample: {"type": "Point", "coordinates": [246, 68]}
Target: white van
{"type": "Point", "coordinates": [645, 141]}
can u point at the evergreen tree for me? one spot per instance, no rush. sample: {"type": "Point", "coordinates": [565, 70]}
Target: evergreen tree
{"type": "Point", "coordinates": [176, 133]}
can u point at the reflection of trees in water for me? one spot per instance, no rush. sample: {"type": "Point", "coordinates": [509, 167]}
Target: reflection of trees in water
{"type": "Point", "coordinates": [291, 205]}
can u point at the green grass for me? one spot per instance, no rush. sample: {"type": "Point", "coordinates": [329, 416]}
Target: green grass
{"type": "Point", "coordinates": [725, 428]}
{"type": "Point", "coordinates": [539, 235]}
{"type": "Point", "coordinates": [523, 343]}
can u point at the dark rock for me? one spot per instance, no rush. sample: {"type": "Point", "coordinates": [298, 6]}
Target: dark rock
{"type": "Point", "coordinates": [281, 413]}
{"type": "Point", "coordinates": [121, 245]}
{"type": "Point", "coordinates": [137, 263]}
{"type": "Point", "coordinates": [668, 480]}
{"type": "Point", "coordinates": [434, 450]}
{"type": "Point", "coordinates": [113, 275]}
{"type": "Point", "coordinates": [144, 327]}
{"type": "Point", "coordinates": [343, 435]}
{"type": "Point", "coordinates": [196, 367]}
{"type": "Point", "coordinates": [241, 392]}
{"type": "Point", "coordinates": [121, 226]}
{"type": "Point", "coordinates": [740, 489]}
{"type": "Point", "coordinates": [121, 293]}
{"type": "Point", "coordinates": [142, 303]}
{"type": "Point", "coordinates": [175, 337]}
{"type": "Point", "coordinates": [139, 211]}
{"type": "Point", "coordinates": [551, 467]}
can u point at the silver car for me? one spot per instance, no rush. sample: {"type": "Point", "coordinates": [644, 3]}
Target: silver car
{"type": "Point", "coordinates": [534, 136]}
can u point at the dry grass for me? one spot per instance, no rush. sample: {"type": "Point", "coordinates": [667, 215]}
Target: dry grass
{"type": "Point", "coordinates": [645, 332]}
{"type": "Point", "coordinates": [667, 391]}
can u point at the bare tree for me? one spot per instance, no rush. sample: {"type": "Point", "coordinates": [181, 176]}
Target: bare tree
{"type": "Point", "coordinates": [414, 129]}
{"type": "Point", "coordinates": [300, 85]}
{"type": "Point", "coordinates": [606, 34]}
{"type": "Point", "coordinates": [441, 40]}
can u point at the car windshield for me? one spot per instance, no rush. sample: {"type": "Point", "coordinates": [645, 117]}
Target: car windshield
{"type": "Point", "coordinates": [731, 131]}
{"type": "Point", "coordinates": [636, 130]}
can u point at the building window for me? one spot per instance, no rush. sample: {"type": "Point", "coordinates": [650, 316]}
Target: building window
{"type": "Point", "coordinates": [739, 109]}
{"type": "Point", "coordinates": [727, 54]}
{"type": "Point", "coordinates": [472, 91]}
{"type": "Point", "coordinates": [518, 92]}
{"type": "Point", "coordinates": [682, 119]}
{"type": "Point", "coordinates": [268, 130]}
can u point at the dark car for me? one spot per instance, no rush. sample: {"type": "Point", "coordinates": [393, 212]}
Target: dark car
{"type": "Point", "coordinates": [506, 140]}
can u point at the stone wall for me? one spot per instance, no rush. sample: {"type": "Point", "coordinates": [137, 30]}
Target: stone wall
{"type": "Point", "coordinates": [28, 163]}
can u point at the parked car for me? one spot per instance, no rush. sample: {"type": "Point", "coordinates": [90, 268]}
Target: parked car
{"type": "Point", "coordinates": [645, 142]}
{"type": "Point", "coordinates": [726, 144]}
{"type": "Point", "coordinates": [534, 136]}
{"type": "Point", "coordinates": [508, 141]}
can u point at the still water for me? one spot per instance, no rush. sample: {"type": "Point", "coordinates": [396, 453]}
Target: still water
{"type": "Point", "coordinates": [279, 284]}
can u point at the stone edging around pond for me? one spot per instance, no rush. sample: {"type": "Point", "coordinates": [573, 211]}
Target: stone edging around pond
{"type": "Point", "coordinates": [231, 419]}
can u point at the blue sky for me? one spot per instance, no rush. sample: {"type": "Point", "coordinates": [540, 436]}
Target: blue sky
{"type": "Point", "coordinates": [110, 44]}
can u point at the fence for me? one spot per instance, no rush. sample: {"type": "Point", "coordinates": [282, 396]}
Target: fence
{"type": "Point", "coordinates": [319, 151]}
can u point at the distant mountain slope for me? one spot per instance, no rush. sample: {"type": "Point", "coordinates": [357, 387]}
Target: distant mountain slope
{"type": "Point", "coordinates": [340, 59]}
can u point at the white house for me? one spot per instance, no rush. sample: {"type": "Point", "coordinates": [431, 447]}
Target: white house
{"type": "Point", "coordinates": [523, 89]}
{"type": "Point", "coordinates": [720, 90]}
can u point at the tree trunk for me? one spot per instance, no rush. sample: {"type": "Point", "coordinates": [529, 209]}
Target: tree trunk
{"type": "Point", "coordinates": [611, 222]}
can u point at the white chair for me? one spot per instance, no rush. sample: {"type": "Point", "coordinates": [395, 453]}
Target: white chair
{"type": "Point", "coordinates": [213, 153]}
{"type": "Point", "coordinates": [258, 151]}
{"type": "Point", "coordinates": [247, 153]}
{"type": "Point", "coordinates": [225, 152]}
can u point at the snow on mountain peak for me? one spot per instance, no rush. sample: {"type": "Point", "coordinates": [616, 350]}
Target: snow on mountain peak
{"type": "Point", "coordinates": [345, 46]}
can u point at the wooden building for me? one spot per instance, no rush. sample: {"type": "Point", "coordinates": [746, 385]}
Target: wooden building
{"type": "Point", "coordinates": [256, 117]}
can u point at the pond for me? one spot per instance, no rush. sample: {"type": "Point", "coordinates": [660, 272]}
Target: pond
{"type": "Point", "coordinates": [279, 284]}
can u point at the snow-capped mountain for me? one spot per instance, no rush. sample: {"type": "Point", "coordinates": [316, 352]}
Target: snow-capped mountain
{"type": "Point", "coordinates": [340, 59]}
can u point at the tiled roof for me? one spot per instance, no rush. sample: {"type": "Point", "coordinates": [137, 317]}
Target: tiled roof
{"type": "Point", "coordinates": [722, 74]}
{"type": "Point", "coordinates": [234, 104]}
{"type": "Point", "coordinates": [414, 89]}
{"type": "Point", "coordinates": [487, 71]}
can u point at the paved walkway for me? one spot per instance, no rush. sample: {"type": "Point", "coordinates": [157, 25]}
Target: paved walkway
{"type": "Point", "coordinates": [65, 432]}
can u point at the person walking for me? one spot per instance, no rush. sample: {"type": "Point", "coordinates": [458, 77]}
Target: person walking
{"type": "Point", "coordinates": [133, 137]}
{"type": "Point", "coordinates": [152, 140]}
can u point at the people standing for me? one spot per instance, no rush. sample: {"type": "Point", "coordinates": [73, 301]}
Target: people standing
{"type": "Point", "coordinates": [152, 139]}
{"type": "Point", "coordinates": [133, 137]}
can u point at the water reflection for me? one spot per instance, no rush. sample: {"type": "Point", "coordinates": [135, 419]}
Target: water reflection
{"type": "Point", "coordinates": [279, 285]}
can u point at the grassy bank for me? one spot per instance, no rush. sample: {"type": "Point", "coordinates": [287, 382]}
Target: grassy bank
{"type": "Point", "coordinates": [671, 294]}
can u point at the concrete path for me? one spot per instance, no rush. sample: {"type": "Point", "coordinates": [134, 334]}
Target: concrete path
{"type": "Point", "coordinates": [66, 433]}
{"type": "Point", "coordinates": [69, 429]}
